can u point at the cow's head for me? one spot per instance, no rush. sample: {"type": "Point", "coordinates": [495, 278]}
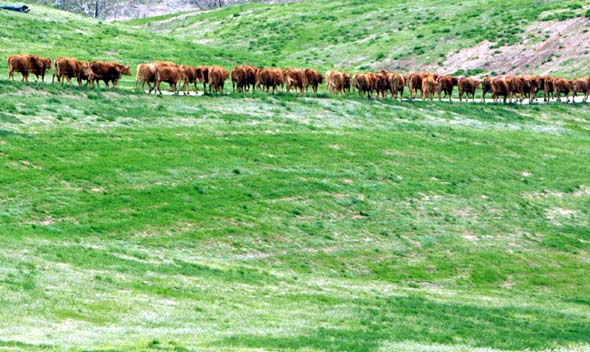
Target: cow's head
{"type": "Point", "coordinates": [86, 71]}
{"type": "Point", "coordinates": [46, 63]}
{"type": "Point", "coordinates": [124, 70]}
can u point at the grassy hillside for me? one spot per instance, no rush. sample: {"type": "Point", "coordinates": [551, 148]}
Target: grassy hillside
{"type": "Point", "coordinates": [55, 33]}
{"type": "Point", "coordinates": [393, 34]}
{"type": "Point", "coordinates": [243, 223]}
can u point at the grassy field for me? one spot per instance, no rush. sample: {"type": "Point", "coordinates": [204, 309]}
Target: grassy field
{"type": "Point", "coordinates": [249, 222]}
{"type": "Point", "coordinates": [237, 223]}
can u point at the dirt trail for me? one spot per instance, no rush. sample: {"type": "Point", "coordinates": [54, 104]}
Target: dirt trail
{"type": "Point", "coordinates": [578, 99]}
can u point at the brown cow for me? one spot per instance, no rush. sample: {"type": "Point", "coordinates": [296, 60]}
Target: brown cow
{"type": "Point", "coordinates": [170, 73]}
{"type": "Point", "coordinates": [500, 87]}
{"type": "Point", "coordinates": [146, 73]}
{"type": "Point", "coordinates": [239, 78]}
{"type": "Point", "coordinates": [251, 77]}
{"type": "Point", "coordinates": [381, 83]}
{"type": "Point", "coordinates": [396, 85]}
{"type": "Point", "coordinates": [364, 83]}
{"type": "Point", "coordinates": [562, 85]}
{"type": "Point", "coordinates": [429, 87]}
{"type": "Point", "coordinates": [268, 78]}
{"type": "Point", "coordinates": [530, 86]}
{"type": "Point", "coordinates": [581, 85]}
{"type": "Point", "coordinates": [546, 83]}
{"type": "Point", "coordinates": [415, 83]}
{"type": "Point", "coordinates": [486, 87]}
{"type": "Point", "coordinates": [26, 64]}
{"type": "Point", "coordinates": [335, 81]}
{"type": "Point", "coordinates": [516, 86]}
{"type": "Point", "coordinates": [446, 84]}
{"type": "Point", "coordinates": [217, 77]}
{"type": "Point", "coordinates": [295, 78]}
{"type": "Point", "coordinates": [467, 86]}
{"type": "Point", "coordinates": [265, 80]}
{"type": "Point", "coordinates": [203, 74]}
{"type": "Point", "coordinates": [68, 68]}
{"type": "Point", "coordinates": [347, 82]}
{"type": "Point", "coordinates": [191, 76]}
{"type": "Point", "coordinates": [313, 79]}
{"type": "Point", "coordinates": [108, 72]}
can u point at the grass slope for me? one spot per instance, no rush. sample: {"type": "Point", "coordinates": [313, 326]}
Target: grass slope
{"type": "Point", "coordinates": [134, 222]}
{"type": "Point", "coordinates": [361, 35]}
{"type": "Point", "coordinates": [53, 33]}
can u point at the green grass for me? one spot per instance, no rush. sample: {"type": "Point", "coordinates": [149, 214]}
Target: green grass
{"type": "Point", "coordinates": [241, 223]}
{"type": "Point", "coordinates": [252, 222]}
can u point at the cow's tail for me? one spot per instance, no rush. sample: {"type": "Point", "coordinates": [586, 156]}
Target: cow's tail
{"type": "Point", "coordinates": [139, 76]}
{"type": "Point", "coordinates": [9, 62]}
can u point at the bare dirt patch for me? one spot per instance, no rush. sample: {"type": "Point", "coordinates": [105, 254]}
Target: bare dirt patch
{"type": "Point", "coordinates": [562, 41]}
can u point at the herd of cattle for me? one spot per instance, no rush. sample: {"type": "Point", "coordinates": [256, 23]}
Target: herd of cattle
{"type": "Point", "coordinates": [246, 78]}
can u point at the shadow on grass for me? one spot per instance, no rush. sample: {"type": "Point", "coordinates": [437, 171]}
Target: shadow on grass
{"type": "Point", "coordinates": [428, 322]}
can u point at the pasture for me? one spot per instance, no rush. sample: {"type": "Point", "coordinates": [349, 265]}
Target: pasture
{"type": "Point", "coordinates": [250, 222]}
